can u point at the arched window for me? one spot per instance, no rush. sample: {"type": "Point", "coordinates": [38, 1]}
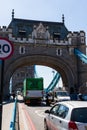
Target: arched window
{"type": "Point", "coordinates": [58, 52]}
{"type": "Point", "coordinates": [22, 50]}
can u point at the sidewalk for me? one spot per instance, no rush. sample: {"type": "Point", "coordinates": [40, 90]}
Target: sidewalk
{"type": "Point", "coordinates": [7, 115]}
{"type": "Point", "coordinates": [23, 119]}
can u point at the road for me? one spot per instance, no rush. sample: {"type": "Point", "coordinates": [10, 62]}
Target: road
{"type": "Point", "coordinates": [36, 114]}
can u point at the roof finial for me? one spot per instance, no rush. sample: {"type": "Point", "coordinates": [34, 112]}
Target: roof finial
{"type": "Point", "coordinates": [12, 13]}
{"type": "Point", "coordinates": [63, 18]}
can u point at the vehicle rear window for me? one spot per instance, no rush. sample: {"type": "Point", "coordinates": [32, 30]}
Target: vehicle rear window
{"type": "Point", "coordinates": [62, 94]}
{"type": "Point", "coordinates": [79, 115]}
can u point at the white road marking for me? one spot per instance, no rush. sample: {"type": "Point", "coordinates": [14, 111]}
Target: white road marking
{"type": "Point", "coordinates": [40, 113]}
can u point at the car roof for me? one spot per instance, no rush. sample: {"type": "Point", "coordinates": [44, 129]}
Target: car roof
{"type": "Point", "coordinates": [74, 104]}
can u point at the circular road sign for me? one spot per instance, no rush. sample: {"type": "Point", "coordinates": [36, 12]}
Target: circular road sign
{"type": "Point", "coordinates": [6, 48]}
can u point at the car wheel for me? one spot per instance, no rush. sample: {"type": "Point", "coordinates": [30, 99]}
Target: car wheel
{"type": "Point", "coordinates": [45, 126]}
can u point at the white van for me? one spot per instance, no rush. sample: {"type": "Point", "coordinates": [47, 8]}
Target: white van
{"type": "Point", "coordinates": [61, 96]}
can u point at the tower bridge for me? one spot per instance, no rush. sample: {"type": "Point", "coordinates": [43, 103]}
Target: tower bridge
{"type": "Point", "coordinates": [49, 44]}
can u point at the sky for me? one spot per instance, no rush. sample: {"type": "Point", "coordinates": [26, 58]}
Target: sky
{"type": "Point", "coordinates": [46, 10]}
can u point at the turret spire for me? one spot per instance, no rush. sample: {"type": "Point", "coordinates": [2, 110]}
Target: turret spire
{"type": "Point", "coordinates": [13, 14]}
{"type": "Point", "coordinates": [63, 18]}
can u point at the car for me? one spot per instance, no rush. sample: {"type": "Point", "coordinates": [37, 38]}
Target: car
{"type": "Point", "coordinates": [61, 96]}
{"type": "Point", "coordinates": [85, 97]}
{"type": "Point", "coordinates": [82, 97]}
{"type": "Point", "coordinates": [66, 115]}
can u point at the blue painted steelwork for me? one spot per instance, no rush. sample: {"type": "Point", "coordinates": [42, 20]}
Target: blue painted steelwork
{"type": "Point", "coordinates": [53, 83]}
{"type": "Point", "coordinates": [12, 123]}
{"type": "Point", "coordinates": [0, 61]}
{"type": "Point", "coordinates": [35, 73]}
{"type": "Point", "coordinates": [80, 55]}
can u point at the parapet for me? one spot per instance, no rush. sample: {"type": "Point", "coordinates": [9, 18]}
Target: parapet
{"type": "Point", "coordinates": [73, 38]}
{"type": "Point", "coordinates": [5, 29]}
{"type": "Point", "coordinates": [76, 34]}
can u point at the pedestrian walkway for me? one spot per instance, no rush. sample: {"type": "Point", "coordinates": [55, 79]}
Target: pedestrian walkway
{"type": "Point", "coordinates": [7, 114]}
{"type": "Point", "coordinates": [23, 119]}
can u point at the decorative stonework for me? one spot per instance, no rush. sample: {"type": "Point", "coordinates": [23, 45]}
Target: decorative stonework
{"type": "Point", "coordinates": [40, 32]}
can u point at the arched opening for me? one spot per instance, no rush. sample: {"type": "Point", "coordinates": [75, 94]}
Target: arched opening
{"type": "Point", "coordinates": [61, 67]}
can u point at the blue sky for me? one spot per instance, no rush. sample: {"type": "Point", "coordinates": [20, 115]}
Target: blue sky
{"type": "Point", "coordinates": [46, 10]}
{"type": "Point", "coordinates": [49, 10]}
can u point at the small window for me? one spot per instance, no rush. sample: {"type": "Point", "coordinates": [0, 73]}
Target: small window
{"type": "Point", "coordinates": [56, 36]}
{"type": "Point", "coordinates": [18, 75]}
{"type": "Point", "coordinates": [22, 74]}
{"type": "Point", "coordinates": [71, 51]}
{"type": "Point", "coordinates": [82, 40]}
{"type": "Point", "coordinates": [27, 75]}
{"type": "Point", "coordinates": [22, 50]}
{"type": "Point", "coordinates": [58, 52]}
{"type": "Point", "coordinates": [22, 33]}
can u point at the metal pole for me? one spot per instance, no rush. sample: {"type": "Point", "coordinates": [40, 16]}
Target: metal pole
{"type": "Point", "coordinates": [1, 89]}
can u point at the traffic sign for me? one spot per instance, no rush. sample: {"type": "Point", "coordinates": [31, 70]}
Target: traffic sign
{"type": "Point", "coordinates": [6, 48]}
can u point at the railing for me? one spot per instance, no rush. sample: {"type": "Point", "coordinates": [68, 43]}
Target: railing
{"type": "Point", "coordinates": [13, 120]}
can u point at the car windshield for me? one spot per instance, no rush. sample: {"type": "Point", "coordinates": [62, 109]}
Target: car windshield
{"type": "Point", "coordinates": [62, 94]}
{"type": "Point", "coordinates": [79, 115]}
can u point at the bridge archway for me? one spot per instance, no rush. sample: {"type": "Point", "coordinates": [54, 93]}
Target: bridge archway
{"type": "Point", "coordinates": [61, 66]}
{"type": "Point", "coordinates": [45, 43]}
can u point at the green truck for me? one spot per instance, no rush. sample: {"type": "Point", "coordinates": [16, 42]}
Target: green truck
{"type": "Point", "coordinates": [33, 90]}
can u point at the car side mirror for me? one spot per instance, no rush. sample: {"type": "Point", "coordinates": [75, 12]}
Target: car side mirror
{"type": "Point", "coordinates": [47, 111]}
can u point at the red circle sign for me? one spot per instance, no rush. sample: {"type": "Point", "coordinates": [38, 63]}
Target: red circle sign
{"type": "Point", "coordinates": [6, 48]}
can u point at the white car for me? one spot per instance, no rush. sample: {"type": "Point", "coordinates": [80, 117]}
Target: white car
{"type": "Point", "coordinates": [61, 96]}
{"type": "Point", "coordinates": [67, 115]}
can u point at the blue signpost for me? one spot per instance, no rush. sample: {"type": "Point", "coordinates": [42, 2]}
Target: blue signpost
{"type": "Point", "coordinates": [1, 88]}
{"type": "Point", "coordinates": [6, 50]}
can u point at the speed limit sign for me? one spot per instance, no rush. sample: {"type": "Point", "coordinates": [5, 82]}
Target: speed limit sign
{"type": "Point", "coordinates": [6, 48]}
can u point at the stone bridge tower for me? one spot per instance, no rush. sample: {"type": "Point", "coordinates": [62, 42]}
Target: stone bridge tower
{"type": "Point", "coordinates": [49, 44]}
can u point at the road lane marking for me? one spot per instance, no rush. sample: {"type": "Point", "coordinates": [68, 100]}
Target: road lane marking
{"type": "Point", "coordinates": [40, 113]}
{"type": "Point", "coordinates": [28, 119]}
